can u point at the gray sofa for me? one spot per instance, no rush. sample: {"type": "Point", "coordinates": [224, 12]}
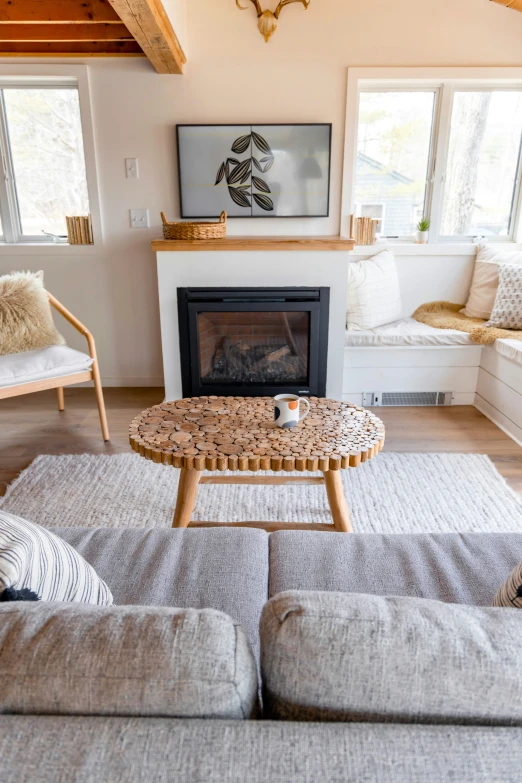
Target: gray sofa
{"type": "Point", "coordinates": [236, 571]}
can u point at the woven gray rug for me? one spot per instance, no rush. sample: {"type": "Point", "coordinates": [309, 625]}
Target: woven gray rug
{"type": "Point", "coordinates": [394, 493]}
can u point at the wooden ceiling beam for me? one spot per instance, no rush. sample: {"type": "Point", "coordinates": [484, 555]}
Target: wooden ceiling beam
{"type": "Point", "coordinates": [70, 49]}
{"type": "Point", "coordinates": [64, 32]}
{"type": "Point", "coordinates": [516, 5]}
{"type": "Point", "coordinates": [151, 28]}
{"type": "Point", "coordinates": [50, 11]}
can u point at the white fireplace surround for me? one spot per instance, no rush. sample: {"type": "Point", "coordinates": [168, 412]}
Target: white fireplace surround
{"type": "Point", "coordinates": [254, 268]}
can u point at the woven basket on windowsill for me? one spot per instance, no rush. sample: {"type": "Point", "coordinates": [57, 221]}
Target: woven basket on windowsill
{"type": "Point", "coordinates": [195, 230]}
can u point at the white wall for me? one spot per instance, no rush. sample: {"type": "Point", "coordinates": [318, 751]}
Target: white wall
{"type": "Point", "coordinates": [233, 76]}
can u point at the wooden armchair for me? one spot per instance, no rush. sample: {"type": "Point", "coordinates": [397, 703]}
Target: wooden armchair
{"type": "Point", "coordinates": [89, 371]}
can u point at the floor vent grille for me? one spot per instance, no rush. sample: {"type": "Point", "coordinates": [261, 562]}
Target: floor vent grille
{"type": "Point", "coordinates": [407, 398]}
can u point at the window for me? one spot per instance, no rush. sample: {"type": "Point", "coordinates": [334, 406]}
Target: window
{"type": "Point", "coordinates": [393, 154]}
{"type": "Point", "coordinates": [44, 177]}
{"type": "Point", "coordinates": [449, 151]}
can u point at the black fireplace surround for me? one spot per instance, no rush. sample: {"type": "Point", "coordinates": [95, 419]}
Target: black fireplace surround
{"type": "Point", "coordinates": [253, 341]}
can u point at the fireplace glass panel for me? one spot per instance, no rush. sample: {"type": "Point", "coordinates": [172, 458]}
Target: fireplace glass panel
{"type": "Point", "coordinates": [254, 347]}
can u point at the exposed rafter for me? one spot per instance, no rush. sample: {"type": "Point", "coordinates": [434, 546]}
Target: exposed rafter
{"type": "Point", "coordinates": [151, 28]}
{"type": "Point", "coordinates": [67, 11]}
{"type": "Point", "coordinates": [516, 5]}
{"type": "Point", "coordinates": [96, 28]}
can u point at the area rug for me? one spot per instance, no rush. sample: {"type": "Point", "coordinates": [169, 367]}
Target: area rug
{"type": "Point", "coordinates": [394, 493]}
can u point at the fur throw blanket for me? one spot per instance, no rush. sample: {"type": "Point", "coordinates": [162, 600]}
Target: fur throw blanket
{"type": "Point", "coordinates": [446, 315]}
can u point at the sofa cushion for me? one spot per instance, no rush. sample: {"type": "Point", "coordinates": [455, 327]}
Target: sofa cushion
{"type": "Point", "coordinates": [39, 749]}
{"type": "Point", "coordinates": [215, 567]}
{"type": "Point", "coordinates": [41, 364]}
{"type": "Point", "coordinates": [32, 558]}
{"type": "Point", "coordinates": [61, 659]}
{"type": "Point", "coordinates": [332, 656]}
{"type": "Point", "coordinates": [459, 568]}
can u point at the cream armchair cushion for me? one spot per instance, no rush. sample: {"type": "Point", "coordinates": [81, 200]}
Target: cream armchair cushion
{"type": "Point", "coordinates": [52, 362]}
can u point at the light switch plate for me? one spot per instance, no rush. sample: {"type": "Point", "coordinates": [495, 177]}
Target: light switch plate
{"type": "Point", "coordinates": [139, 218]}
{"type": "Point", "coordinates": [131, 168]}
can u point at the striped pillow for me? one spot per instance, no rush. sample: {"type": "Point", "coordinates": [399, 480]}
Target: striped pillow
{"type": "Point", "coordinates": [510, 594]}
{"type": "Point", "coordinates": [32, 558]}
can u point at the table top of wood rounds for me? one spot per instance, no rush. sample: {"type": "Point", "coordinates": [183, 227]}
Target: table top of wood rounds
{"type": "Point", "coordinates": [239, 433]}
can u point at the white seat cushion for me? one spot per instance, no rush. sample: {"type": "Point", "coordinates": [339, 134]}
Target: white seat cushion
{"type": "Point", "coordinates": [407, 332]}
{"type": "Point", "coordinates": [511, 349]}
{"type": "Point", "coordinates": [43, 363]}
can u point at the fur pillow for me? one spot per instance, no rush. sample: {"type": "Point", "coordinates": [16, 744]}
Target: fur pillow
{"type": "Point", "coordinates": [26, 322]}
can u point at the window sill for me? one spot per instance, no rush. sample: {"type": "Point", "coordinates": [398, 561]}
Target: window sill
{"type": "Point", "coordinates": [46, 249]}
{"type": "Point", "coordinates": [435, 249]}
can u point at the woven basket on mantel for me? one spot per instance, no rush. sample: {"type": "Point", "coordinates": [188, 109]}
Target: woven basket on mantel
{"type": "Point", "coordinates": [195, 230]}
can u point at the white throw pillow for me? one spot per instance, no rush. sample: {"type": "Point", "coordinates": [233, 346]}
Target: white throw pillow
{"type": "Point", "coordinates": [374, 295]}
{"type": "Point", "coordinates": [32, 558]}
{"type": "Point", "coordinates": [485, 279]}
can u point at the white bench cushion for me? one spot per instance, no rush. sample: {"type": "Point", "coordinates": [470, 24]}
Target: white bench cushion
{"type": "Point", "coordinates": [43, 363]}
{"type": "Point", "coordinates": [406, 332]}
{"type": "Point", "coordinates": [511, 349]}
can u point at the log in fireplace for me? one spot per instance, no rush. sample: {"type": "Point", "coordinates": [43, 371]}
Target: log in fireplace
{"type": "Point", "coordinates": [253, 341]}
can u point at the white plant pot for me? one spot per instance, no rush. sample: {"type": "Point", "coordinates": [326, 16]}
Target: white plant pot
{"type": "Point", "coordinates": [422, 237]}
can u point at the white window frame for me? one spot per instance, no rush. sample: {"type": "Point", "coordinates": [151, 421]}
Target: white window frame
{"type": "Point", "coordinates": [52, 77]}
{"type": "Point", "coordinates": [445, 82]}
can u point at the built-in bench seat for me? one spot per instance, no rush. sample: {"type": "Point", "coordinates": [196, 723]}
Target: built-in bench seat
{"type": "Point", "coordinates": [412, 357]}
{"type": "Point", "coordinates": [403, 333]}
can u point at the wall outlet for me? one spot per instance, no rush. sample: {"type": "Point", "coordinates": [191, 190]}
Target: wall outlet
{"type": "Point", "coordinates": [139, 218]}
{"type": "Point", "coordinates": [131, 168]}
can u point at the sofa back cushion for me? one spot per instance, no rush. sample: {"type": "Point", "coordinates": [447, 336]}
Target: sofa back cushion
{"type": "Point", "coordinates": [74, 659]}
{"type": "Point", "coordinates": [354, 657]}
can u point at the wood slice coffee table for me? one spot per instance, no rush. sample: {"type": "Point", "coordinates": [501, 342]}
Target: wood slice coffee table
{"type": "Point", "coordinates": [238, 433]}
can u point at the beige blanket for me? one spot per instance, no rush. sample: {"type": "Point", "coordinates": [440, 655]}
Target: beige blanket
{"type": "Point", "coordinates": [446, 315]}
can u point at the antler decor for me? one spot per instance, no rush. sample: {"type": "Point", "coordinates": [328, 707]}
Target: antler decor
{"type": "Point", "coordinates": [267, 20]}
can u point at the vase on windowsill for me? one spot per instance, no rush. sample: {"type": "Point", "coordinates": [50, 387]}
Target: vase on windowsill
{"type": "Point", "coordinates": [423, 227]}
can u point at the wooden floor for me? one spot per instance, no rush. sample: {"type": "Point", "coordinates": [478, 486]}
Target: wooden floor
{"type": "Point", "coordinates": [32, 425]}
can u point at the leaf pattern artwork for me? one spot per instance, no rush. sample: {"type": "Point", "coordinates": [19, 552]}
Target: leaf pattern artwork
{"type": "Point", "coordinates": [239, 196]}
{"type": "Point", "coordinates": [241, 145]}
{"type": "Point", "coordinates": [237, 173]}
{"type": "Point", "coordinates": [263, 201]}
{"type": "Point", "coordinates": [261, 143]}
{"type": "Point", "coordinates": [260, 184]}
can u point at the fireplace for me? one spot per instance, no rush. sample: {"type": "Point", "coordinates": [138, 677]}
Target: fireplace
{"type": "Point", "coordinates": [253, 341]}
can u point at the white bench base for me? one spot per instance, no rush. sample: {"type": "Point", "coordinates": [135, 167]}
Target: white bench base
{"type": "Point", "coordinates": [476, 375]}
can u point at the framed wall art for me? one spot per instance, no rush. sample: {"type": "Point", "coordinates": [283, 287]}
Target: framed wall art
{"type": "Point", "coordinates": [254, 170]}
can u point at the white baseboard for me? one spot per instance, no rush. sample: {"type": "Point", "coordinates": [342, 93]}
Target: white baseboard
{"type": "Point", "coordinates": [127, 382]}
{"type": "Point", "coordinates": [498, 418]}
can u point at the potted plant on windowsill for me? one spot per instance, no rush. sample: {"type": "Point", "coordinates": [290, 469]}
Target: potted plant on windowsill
{"type": "Point", "coordinates": [423, 229]}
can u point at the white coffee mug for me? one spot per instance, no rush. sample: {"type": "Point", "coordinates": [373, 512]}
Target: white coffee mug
{"type": "Point", "coordinates": [286, 410]}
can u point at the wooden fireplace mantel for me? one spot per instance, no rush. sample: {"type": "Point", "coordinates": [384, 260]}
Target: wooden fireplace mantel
{"type": "Point", "coordinates": [254, 243]}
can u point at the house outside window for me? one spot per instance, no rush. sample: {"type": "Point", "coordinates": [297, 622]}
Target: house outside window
{"type": "Point", "coordinates": [448, 150]}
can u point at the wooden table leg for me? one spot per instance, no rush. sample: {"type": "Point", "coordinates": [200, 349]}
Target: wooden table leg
{"type": "Point", "coordinates": [337, 501]}
{"type": "Point", "coordinates": [187, 496]}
